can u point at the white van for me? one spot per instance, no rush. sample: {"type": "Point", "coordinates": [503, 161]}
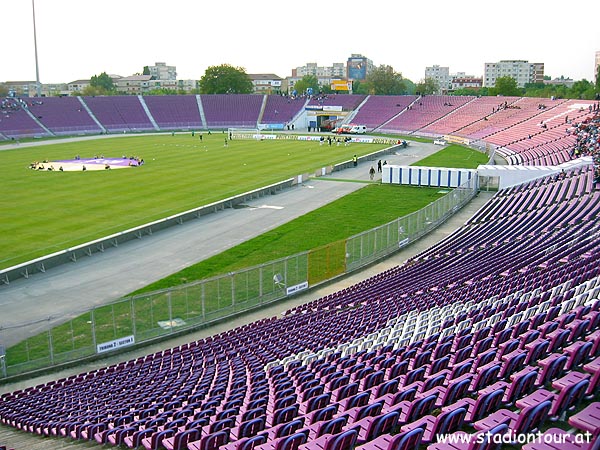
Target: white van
{"type": "Point", "coordinates": [358, 129]}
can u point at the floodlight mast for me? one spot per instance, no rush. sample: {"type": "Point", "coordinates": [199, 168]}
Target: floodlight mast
{"type": "Point", "coordinates": [38, 86]}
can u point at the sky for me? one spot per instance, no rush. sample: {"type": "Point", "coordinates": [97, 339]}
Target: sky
{"type": "Point", "coordinates": [77, 39]}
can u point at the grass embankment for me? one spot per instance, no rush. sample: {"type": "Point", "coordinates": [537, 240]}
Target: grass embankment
{"type": "Point", "coordinates": [367, 208]}
{"type": "Point", "coordinates": [362, 210]}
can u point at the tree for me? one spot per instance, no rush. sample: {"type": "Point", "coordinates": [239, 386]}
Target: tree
{"type": "Point", "coordinates": [506, 86]}
{"type": "Point", "coordinates": [360, 87]}
{"type": "Point", "coordinates": [582, 89]}
{"type": "Point", "coordinates": [326, 89]}
{"type": "Point", "coordinates": [307, 84]}
{"type": "Point", "coordinates": [477, 92]}
{"type": "Point", "coordinates": [146, 70]}
{"type": "Point", "coordinates": [428, 86]}
{"type": "Point", "coordinates": [225, 79]}
{"type": "Point", "coordinates": [411, 87]}
{"type": "Point", "coordinates": [598, 79]}
{"type": "Point", "coordinates": [102, 83]}
{"type": "Point", "coordinates": [383, 80]}
{"type": "Point", "coordinates": [162, 91]}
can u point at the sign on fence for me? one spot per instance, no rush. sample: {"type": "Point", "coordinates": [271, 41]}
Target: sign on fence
{"type": "Point", "coordinates": [297, 288]}
{"type": "Point", "coordinates": [117, 343]}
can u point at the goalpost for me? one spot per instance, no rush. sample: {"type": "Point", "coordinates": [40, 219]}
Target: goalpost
{"type": "Point", "coordinates": [244, 133]}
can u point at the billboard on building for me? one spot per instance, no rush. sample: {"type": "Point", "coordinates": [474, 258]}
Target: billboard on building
{"type": "Point", "coordinates": [357, 68]}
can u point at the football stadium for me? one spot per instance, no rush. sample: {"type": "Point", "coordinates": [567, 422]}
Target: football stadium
{"type": "Point", "coordinates": [470, 319]}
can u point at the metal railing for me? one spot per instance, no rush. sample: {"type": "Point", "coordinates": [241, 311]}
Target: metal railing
{"type": "Point", "coordinates": [384, 240]}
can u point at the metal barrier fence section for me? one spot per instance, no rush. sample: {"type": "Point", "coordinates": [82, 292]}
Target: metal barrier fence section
{"type": "Point", "coordinates": [382, 241]}
{"type": "Point", "coordinates": [156, 315]}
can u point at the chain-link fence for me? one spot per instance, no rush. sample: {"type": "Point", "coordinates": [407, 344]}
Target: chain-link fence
{"type": "Point", "coordinates": [152, 316]}
{"type": "Point", "coordinates": [379, 242]}
{"type": "Point", "coordinates": [146, 317]}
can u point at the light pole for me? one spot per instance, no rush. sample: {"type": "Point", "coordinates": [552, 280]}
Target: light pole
{"type": "Point", "coordinates": [38, 86]}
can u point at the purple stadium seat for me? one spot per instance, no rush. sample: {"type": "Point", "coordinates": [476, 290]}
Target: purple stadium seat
{"type": "Point", "coordinates": [372, 427]}
{"type": "Point", "coordinates": [568, 398]}
{"type": "Point", "coordinates": [341, 441]}
{"type": "Point", "coordinates": [527, 420]}
{"type": "Point", "coordinates": [446, 422]}
{"type": "Point", "coordinates": [586, 420]}
{"type": "Point", "coordinates": [209, 442]}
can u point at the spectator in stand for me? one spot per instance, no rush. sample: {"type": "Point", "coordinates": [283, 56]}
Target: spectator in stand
{"type": "Point", "coordinates": [587, 141]}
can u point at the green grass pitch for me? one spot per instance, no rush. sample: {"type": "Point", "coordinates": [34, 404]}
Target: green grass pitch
{"type": "Point", "coordinates": [45, 212]}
